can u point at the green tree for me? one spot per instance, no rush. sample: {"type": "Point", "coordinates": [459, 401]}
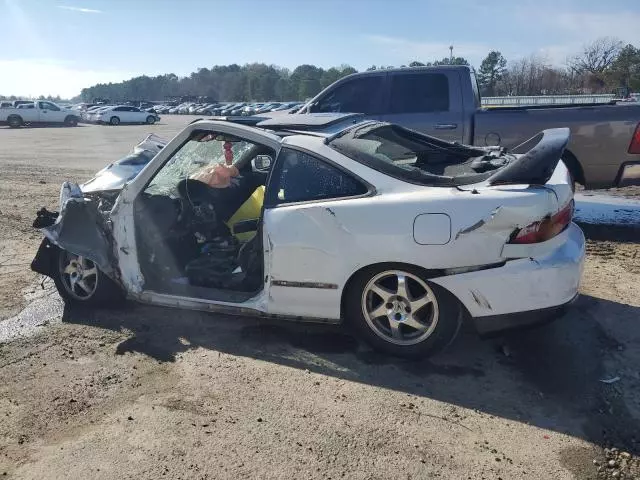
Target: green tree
{"type": "Point", "coordinates": [449, 61]}
{"type": "Point", "coordinates": [625, 69]}
{"type": "Point", "coordinates": [415, 63]}
{"type": "Point", "coordinates": [492, 70]}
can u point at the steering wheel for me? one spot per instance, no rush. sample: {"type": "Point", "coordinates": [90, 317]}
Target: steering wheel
{"type": "Point", "coordinates": [197, 202]}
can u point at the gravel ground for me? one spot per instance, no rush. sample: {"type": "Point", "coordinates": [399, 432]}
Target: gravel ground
{"type": "Point", "coordinates": [145, 392]}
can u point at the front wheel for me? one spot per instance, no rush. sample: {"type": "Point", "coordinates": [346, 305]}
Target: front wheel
{"type": "Point", "coordinates": [79, 280]}
{"type": "Point", "coordinates": [151, 120]}
{"type": "Point", "coordinates": [114, 121]}
{"type": "Point", "coordinates": [394, 309]}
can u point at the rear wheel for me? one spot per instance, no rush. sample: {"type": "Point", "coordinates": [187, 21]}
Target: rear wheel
{"type": "Point", "coordinates": [151, 120]}
{"type": "Point", "coordinates": [71, 121]}
{"type": "Point", "coordinates": [15, 121]}
{"type": "Point", "coordinates": [396, 310]}
{"type": "Point", "coordinates": [79, 280]}
{"type": "Point", "coordinates": [114, 121]}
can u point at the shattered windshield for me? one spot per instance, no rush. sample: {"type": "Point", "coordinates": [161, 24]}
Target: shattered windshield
{"type": "Point", "coordinates": [196, 154]}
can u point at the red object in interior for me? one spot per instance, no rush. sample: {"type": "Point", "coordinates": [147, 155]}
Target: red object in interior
{"type": "Point", "coordinates": [634, 146]}
{"type": "Point", "coordinates": [228, 153]}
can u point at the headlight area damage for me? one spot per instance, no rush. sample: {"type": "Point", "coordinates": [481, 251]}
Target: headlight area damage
{"type": "Point", "coordinates": [82, 227]}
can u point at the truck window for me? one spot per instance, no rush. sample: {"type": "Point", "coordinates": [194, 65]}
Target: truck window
{"type": "Point", "coordinates": [419, 93]}
{"type": "Point", "coordinates": [49, 106]}
{"type": "Point", "coordinates": [360, 95]}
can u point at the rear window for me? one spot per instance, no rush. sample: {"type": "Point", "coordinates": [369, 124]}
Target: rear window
{"type": "Point", "coordinates": [419, 93]}
{"type": "Point", "coordinates": [416, 158]}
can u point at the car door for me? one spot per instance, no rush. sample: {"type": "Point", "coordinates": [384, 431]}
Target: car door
{"type": "Point", "coordinates": [50, 112]}
{"type": "Point", "coordinates": [56, 112]}
{"type": "Point", "coordinates": [302, 234]}
{"type": "Point", "coordinates": [135, 115]}
{"type": "Point", "coordinates": [160, 176]}
{"type": "Point", "coordinates": [360, 94]}
{"type": "Point", "coordinates": [428, 102]}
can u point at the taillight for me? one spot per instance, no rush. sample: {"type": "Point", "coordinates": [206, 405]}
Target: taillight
{"type": "Point", "coordinates": [545, 229]}
{"type": "Point", "coordinates": [634, 146]}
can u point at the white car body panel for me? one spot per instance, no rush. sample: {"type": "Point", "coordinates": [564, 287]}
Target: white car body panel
{"type": "Point", "coordinates": [525, 284]}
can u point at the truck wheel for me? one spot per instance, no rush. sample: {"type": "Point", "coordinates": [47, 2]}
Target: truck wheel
{"type": "Point", "coordinates": [79, 281]}
{"type": "Point", "coordinates": [114, 121]}
{"type": "Point", "coordinates": [71, 121]}
{"type": "Point", "coordinates": [575, 169]}
{"type": "Point", "coordinates": [151, 120]}
{"type": "Point", "coordinates": [395, 309]}
{"type": "Point", "coordinates": [15, 121]}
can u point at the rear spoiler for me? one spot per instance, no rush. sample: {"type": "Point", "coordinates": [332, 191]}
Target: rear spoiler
{"type": "Point", "coordinates": [536, 166]}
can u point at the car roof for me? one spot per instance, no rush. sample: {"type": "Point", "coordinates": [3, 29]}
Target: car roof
{"type": "Point", "coordinates": [314, 124]}
{"type": "Point", "coordinates": [309, 121]}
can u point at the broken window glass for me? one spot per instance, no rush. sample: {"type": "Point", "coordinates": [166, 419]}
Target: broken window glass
{"type": "Point", "coordinates": [303, 177]}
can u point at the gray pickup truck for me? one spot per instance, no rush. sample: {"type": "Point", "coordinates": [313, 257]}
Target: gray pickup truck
{"type": "Point", "coordinates": [444, 102]}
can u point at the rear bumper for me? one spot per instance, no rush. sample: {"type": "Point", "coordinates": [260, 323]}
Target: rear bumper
{"type": "Point", "coordinates": [524, 286]}
{"type": "Point", "coordinates": [493, 324]}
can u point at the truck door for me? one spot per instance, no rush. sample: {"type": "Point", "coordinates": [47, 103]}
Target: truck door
{"type": "Point", "coordinates": [429, 102]}
{"type": "Point", "coordinates": [49, 112]}
{"type": "Point", "coordinates": [361, 94]}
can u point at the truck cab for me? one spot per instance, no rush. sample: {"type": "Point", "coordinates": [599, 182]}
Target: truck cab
{"type": "Point", "coordinates": [427, 99]}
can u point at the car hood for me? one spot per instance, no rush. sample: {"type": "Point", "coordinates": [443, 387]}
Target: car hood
{"type": "Point", "coordinates": [114, 176]}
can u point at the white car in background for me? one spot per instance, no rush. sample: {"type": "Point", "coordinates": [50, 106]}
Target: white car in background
{"type": "Point", "coordinates": [327, 218]}
{"type": "Point", "coordinates": [115, 115]}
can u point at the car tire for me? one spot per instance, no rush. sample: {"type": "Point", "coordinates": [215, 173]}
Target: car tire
{"type": "Point", "coordinates": [415, 321]}
{"type": "Point", "coordinates": [151, 120]}
{"type": "Point", "coordinates": [114, 121]}
{"type": "Point", "coordinates": [71, 121]}
{"type": "Point", "coordinates": [15, 121]}
{"type": "Point", "coordinates": [80, 281]}
{"type": "Point", "coordinates": [208, 113]}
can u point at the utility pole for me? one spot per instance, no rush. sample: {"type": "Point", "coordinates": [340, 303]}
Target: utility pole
{"type": "Point", "coordinates": [450, 54]}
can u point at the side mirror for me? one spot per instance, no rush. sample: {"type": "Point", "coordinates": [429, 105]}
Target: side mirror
{"type": "Point", "coordinates": [262, 163]}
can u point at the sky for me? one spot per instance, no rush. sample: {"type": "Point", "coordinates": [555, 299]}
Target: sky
{"type": "Point", "coordinates": [58, 47]}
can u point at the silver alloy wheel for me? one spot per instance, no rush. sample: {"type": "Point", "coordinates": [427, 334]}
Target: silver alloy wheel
{"type": "Point", "coordinates": [151, 120]}
{"type": "Point", "coordinates": [79, 275]}
{"type": "Point", "coordinates": [400, 307]}
{"type": "Point", "coordinates": [114, 121]}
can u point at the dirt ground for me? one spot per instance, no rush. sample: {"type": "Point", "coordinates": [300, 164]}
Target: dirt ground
{"type": "Point", "coordinates": [146, 393]}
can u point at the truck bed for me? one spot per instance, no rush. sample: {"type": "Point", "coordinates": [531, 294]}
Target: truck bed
{"type": "Point", "coordinates": [600, 134]}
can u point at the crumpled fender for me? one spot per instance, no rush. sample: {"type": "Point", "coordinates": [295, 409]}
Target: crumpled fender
{"type": "Point", "coordinates": [79, 229]}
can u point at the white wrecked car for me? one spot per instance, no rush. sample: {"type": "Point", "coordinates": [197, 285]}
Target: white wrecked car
{"type": "Point", "coordinates": [328, 218]}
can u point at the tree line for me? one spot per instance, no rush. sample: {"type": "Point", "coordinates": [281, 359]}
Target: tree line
{"type": "Point", "coordinates": [604, 66]}
{"type": "Point", "coordinates": [255, 81]}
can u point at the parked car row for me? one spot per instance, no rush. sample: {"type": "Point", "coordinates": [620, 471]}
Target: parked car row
{"type": "Point", "coordinates": [225, 109]}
